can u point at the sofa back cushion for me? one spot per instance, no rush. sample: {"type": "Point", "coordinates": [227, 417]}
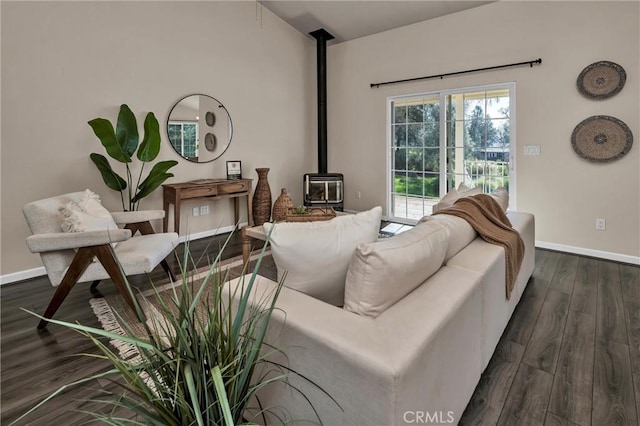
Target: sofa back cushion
{"type": "Point", "coordinates": [460, 232]}
{"type": "Point", "coordinates": [315, 255]}
{"type": "Point", "coordinates": [383, 272]}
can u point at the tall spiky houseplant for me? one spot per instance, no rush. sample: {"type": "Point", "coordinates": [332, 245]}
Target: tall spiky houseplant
{"type": "Point", "coordinates": [194, 366]}
{"type": "Point", "coordinates": [121, 144]}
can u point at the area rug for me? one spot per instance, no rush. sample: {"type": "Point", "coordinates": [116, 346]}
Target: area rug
{"type": "Point", "coordinates": [113, 312]}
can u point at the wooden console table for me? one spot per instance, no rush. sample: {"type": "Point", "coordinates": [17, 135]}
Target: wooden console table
{"type": "Point", "coordinates": [211, 189]}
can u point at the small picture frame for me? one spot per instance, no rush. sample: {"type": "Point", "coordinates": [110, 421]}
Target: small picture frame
{"type": "Point", "coordinates": [234, 170]}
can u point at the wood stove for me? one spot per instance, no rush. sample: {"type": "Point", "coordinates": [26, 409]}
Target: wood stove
{"type": "Point", "coordinates": [322, 188]}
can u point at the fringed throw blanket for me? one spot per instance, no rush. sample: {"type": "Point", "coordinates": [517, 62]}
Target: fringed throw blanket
{"type": "Point", "coordinates": [489, 220]}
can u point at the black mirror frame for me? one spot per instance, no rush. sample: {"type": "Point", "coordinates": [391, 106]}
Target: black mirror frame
{"type": "Point", "coordinates": [220, 105]}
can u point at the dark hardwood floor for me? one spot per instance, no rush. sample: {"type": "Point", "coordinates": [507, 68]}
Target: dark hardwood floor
{"type": "Point", "coordinates": [569, 356]}
{"type": "Point", "coordinates": [571, 353]}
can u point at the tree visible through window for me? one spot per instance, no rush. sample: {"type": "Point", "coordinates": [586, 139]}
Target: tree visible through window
{"type": "Point", "coordinates": [440, 140]}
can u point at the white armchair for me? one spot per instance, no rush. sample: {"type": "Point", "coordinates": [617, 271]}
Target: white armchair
{"type": "Point", "coordinates": [68, 257]}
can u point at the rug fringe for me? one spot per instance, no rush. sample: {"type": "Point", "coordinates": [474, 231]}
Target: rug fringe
{"type": "Point", "coordinates": [109, 323]}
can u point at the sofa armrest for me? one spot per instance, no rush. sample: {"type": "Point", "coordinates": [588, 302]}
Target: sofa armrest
{"type": "Point", "coordinates": [123, 218]}
{"type": "Point", "coordinates": [333, 349]}
{"type": "Point", "coordinates": [74, 240]}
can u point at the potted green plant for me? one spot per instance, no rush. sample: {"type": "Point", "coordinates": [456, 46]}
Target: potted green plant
{"type": "Point", "coordinates": [194, 367]}
{"type": "Point", "coordinates": [121, 144]}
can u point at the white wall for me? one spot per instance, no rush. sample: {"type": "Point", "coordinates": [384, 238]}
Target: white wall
{"type": "Point", "coordinates": [565, 192]}
{"type": "Point", "coordinates": [65, 63]}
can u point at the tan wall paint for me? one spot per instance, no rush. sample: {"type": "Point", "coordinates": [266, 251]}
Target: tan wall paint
{"type": "Point", "coordinates": [565, 192]}
{"type": "Point", "coordinates": [65, 63]}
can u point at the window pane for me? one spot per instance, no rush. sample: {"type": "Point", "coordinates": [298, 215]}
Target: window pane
{"type": "Point", "coordinates": [431, 133]}
{"type": "Point", "coordinates": [175, 136]}
{"type": "Point", "coordinates": [474, 105]}
{"type": "Point", "coordinates": [400, 114]}
{"type": "Point", "coordinates": [415, 208]}
{"type": "Point", "coordinates": [475, 133]}
{"type": "Point", "coordinates": [400, 135]}
{"type": "Point", "coordinates": [432, 111]}
{"type": "Point", "coordinates": [475, 169]}
{"type": "Point", "coordinates": [415, 113]}
{"type": "Point", "coordinates": [400, 182]}
{"type": "Point", "coordinates": [399, 205]}
{"type": "Point", "coordinates": [190, 140]}
{"type": "Point", "coordinates": [432, 185]}
{"type": "Point", "coordinates": [414, 159]}
{"type": "Point", "coordinates": [415, 183]}
{"type": "Point", "coordinates": [498, 104]}
{"type": "Point", "coordinates": [499, 135]}
{"type": "Point", "coordinates": [491, 183]}
{"type": "Point", "coordinates": [415, 134]}
{"type": "Point", "coordinates": [499, 168]}
{"type": "Point", "coordinates": [400, 159]}
{"type": "Point", "coordinates": [432, 160]}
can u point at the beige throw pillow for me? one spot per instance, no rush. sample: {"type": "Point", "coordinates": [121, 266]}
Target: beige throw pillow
{"type": "Point", "coordinates": [383, 272]}
{"type": "Point", "coordinates": [454, 194]}
{"type": "Point", "coordinates": [86, 214]}
{"type": "Point", "coordinates": [315, 255]}
{"type": "Point", "coordinates": [502, 197]}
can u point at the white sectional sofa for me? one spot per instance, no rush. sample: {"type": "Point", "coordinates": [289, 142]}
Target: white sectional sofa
{"type": "Point", "coordinates": [420, 359]}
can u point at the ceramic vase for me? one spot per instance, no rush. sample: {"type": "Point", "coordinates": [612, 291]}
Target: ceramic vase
{"type": "Point", "coordinates": [262, 198]}
{"type": "Point", "coordinates": [281, 206]}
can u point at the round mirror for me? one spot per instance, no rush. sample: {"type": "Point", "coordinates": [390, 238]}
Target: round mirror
{"type": "Point", "coordinates": [199, 128]}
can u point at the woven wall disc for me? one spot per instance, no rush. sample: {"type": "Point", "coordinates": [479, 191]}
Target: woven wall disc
{"type": "Point", "coordinates": [210, 142]}
{"type": "Point", "coordinates": [210, 119]}
{"type": "Point", "coordinates": [601, 139]}
{"type": "Point", "coordinates": [601, 80]}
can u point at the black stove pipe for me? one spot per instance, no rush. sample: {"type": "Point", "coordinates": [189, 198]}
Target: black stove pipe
{"type": "Point", "coordinates": [322, 36]}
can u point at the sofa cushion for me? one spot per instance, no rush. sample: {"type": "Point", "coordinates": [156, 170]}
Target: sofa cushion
{"type": "Point", "coordinates": [501, 195]}
{"type": "Point", "coordinates": [383, 272]}
{"type": "Point", "coordinates": [454, 194]}
{"type": "Point", "coordinates": [460, 232]}
{"type": "Point", "coordinates": [316, 255]}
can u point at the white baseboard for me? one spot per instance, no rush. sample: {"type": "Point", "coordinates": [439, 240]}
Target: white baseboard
{"type": "Point", "coordinates": [210, 233]}
{"type": "Point", "coordinates": [617, 257]}
{"type": "Point", "coordinates": [40, 271]}
{"type": "Point", "coordinates": [22, 275]}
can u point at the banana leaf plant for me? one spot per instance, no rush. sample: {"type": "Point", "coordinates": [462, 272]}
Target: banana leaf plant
{"type": "Point", "coordinates": [121, 144]}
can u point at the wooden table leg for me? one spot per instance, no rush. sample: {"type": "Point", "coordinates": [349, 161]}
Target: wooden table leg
{"type": "Point", "coordinates": [246, 245]}
{"type": "Point", "coordinates": [249, 209]}
{"type": "Point", "coordinates": [165, 219]}
{"type": "Point", "coordinates": [176, 217]}
{"type": "Point", "coordinates": [236, 209]}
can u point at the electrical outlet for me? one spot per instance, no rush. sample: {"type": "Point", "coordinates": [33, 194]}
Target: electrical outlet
{"type": "Point", "coordinates": [601, 224]}
{"type": "Point", "coordinates": [532, 150]}
{"type": "Point", "coordinates": [195, 211]}
{"type": "Point", "coordinates": [204, 210]}
{"type": "Point", "coordinates": [358, 195]}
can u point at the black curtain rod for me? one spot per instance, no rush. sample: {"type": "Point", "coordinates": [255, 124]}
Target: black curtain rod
{"type": "Point", "coordinates": [441, 76]}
